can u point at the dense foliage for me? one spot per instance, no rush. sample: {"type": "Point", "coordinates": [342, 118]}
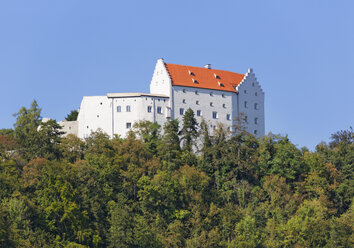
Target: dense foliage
{"type": "Point", "coordinates": [147, 190]}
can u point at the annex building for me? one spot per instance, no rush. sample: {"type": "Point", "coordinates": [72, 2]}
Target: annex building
{"type": "Point", "coordinates": [215, 95]}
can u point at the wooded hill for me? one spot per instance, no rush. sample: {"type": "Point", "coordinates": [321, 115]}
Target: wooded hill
{"type": "Point", "coordinates": [153, 190]}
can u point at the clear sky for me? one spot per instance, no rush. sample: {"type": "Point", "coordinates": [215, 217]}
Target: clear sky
{"type": "Point", "coordinates": [301, 51]}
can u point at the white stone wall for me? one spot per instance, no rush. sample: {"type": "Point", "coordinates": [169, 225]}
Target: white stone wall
{"type": "Point", "coordinates": [95, 112]}
{"type": "Point", "coordinates": [69, 127]}
{"type": "Point", "coordinates": [251, 103]}
{"type": "Point", "coordinates": [202, 99]}
{"type": "Point", "coordinates": [138, 111]}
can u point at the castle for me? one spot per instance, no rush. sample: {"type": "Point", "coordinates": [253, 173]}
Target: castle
{"type": "Point", "coordinates": [215, 95]}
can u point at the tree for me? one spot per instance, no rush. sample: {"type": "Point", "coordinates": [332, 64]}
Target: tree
{"type": "Point", "coordinates": [149, 132]}
{"type": "Point", "coordinates": [189, 130]}
{"type": "Point", "coordinates": [72, 116]}
{"type": "Point", "coordinates": [170, 145]}
{"type": "Point", "coordinates": [27, 122]}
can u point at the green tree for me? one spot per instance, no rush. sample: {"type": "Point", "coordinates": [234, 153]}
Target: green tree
{"type": "Point", "coordinates": [149, 132]}
{"type": "Point", "coordinates": [72, 116]}
{"type": "Point", "coordinates": [189, 130]}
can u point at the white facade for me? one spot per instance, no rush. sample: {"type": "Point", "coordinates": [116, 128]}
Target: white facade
{"type": "Point", "coordinates": [116, 113]}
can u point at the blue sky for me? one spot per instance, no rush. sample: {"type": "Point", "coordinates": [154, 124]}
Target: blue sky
{"type": "Point", "coordinates": [301, 51]}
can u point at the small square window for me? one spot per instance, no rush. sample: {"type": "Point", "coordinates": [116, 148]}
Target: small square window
{"type": "Point", "coordinates": [129, 124]}
{"type": "Point", "coordinates": [228, 117]}
{"type": "Point", "coordinates": [128, 108]}
{"type": "Point", "coordinates": [159, 110]}
{"type": "Point", "coordinates": [211, 104]}
{"type": "Point", "coordinates": [181, 111]}
{"type": "Point", "coordinates": [119, 109]}
{"type": "Point", "coordinates": [215, 115]}
{"type": "Point", "coordinates": [149, 109]}
{"type": "Point", "coordinates": [199, 112]}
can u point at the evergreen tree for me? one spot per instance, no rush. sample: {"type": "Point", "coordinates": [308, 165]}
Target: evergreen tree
{"type": "Point", "coordinates": [189, 130]}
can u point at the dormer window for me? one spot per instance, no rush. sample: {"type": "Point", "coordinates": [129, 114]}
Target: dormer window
{"type": "Point", "coordinates": [216, 76]}
{"type": "Point", "coordinates": [195, 81]}
{"type": "Point", "coordinates": [191, 73]}
{"type": "Point", "coordinates": [220, 84]}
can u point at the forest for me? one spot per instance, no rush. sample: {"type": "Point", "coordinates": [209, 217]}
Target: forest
{"type": "Point", "coordinates": [180, 185]}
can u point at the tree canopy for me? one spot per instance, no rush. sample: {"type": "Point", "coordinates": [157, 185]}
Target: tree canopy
{"type": "Point", "coordinates": [147, 191]}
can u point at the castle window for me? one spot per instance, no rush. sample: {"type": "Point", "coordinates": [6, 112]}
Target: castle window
{"type": "Point", "coordinates": [211, 104]}
{"type": "Point", "coordinates": [181, 111]}
{"type": "Point", "coordinates": [98, 116]}
{"type": "Point", "coordinates": [224, 105]}
{"type": "Point", "coordinates": [253, 84]}
{"type": "Point", "coordinates": [184, 91]}
{"type": "Point", "coordinates": [128, 108]}
{"type": "Point", "coordinates": [228, 117]}
{"type": "Point", "coordinates": [196, 92]}
{"type": "Point", "coordinates": [256, 94]}
{"type": "Point", "coordinates": [255, 132]}
{"type": "Point", "coordinates": [246, 119]}
{"type": "Point", "coordinates": [199, 112]}
{"type": "Point", "coordinates": [158, 99]}
{"type": "Point", "coordinates": [184, 100]}
{"type": "Point", "coordinates": [211, 93]}
{"type": "Point", "coordinates": [101, 103]}
{"type": "Point", "coordinates": [223, 95]}
{"type": "Point", "coordinates": [245, 104]}
{"type": "Point", "coordinates": [197, 102]}
{"type": "Point", "coordinates": [230, 129]}
{"type": "Point", "coordinates": [159, 110]}
{"type": "Point", "coordinates": [215, 115]}
{"type": "Point", "coordinates": [119, 109]}
{"type": "Point", "coordinates": [149, 109]}
{"type": "Point", "coordinates": [256, 106]}
{"type": "Point", "coordinates": [245, 91]}
{"type": "Point", "coordinates": [255, 120]}
{"type": "Point", "coordinates": [128, 124]}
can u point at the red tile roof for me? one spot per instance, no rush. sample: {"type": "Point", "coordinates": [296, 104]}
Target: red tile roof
{"type": "Point", "coordinates": [198, 77]}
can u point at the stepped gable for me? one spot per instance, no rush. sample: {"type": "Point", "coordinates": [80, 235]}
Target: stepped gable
{"type": "Point", "coordinates": [199, 77]}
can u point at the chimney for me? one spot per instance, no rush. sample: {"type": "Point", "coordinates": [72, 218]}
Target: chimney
{"type": "Point", "coordinates": [207, 66]}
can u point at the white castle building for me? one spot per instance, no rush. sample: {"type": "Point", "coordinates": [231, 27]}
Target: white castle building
{"type": "Point", "coordinates": [215, 95]}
